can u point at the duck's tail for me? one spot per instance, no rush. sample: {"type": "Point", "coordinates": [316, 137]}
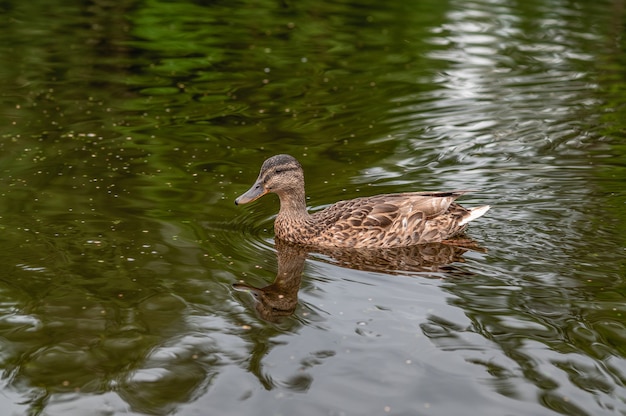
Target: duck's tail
{"type": "Point", "coordinates": [474, 213]}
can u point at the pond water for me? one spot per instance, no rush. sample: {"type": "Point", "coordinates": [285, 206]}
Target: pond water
{"type": "Point", "coordinates": [130, 127]}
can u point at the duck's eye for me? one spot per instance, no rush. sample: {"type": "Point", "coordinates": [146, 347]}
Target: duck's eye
{"type": "Point", "coordinates": [279, 170]}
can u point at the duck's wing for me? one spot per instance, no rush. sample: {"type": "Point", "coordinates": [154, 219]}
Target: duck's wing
{"type": "Point", "coordinates": [381, 219]}
{"type": "Point", "coordinates": [426, 205]}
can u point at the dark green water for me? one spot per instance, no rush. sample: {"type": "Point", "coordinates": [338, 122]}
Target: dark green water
{"type": "Point", "coordinates": [128, 129]}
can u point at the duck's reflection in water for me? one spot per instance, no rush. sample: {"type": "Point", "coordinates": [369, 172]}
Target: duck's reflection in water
{"type": "Point", "coordinates": [422, 258]}
{"type": "Point", "coordinates": [280, 298]}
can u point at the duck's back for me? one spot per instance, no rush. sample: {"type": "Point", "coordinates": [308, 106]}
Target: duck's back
{"type": "Point", "coordinates": [392, 220]}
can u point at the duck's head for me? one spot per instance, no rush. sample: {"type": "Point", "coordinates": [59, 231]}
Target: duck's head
{"type": "Point", "coordinates": [280, 174]}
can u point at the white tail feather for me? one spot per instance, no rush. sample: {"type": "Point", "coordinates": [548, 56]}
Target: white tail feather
{"type": "Point", "coordinates": [475, 213]}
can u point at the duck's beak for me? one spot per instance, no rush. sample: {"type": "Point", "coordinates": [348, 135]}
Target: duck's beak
{"type": "Point", "coordinates": [252, 194]}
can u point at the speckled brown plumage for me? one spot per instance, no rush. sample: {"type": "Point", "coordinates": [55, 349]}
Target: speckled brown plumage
{"type": "Point", "coordinates": [381, 221]}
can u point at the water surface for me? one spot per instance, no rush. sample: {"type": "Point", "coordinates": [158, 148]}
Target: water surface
{"type": "Point", "coordinates": [130, 128]}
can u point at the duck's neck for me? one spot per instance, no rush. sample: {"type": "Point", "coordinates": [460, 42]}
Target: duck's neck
{"type": "Point", "coordinates": [292, 217]}
{"type": "Point", "coordinates": [293, 204]}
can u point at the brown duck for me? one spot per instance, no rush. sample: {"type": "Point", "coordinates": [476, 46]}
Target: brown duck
{"type": "Point", "coordinates": [381, 221]}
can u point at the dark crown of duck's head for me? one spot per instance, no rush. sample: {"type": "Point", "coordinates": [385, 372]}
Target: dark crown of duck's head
{"type": "Point", "coordinates": [280, 171]}
{"type": "Point", "coordinates": [280, 163]}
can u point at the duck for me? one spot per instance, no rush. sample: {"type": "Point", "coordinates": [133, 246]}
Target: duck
{"type": "Point", "coordinates": [380, 221]}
